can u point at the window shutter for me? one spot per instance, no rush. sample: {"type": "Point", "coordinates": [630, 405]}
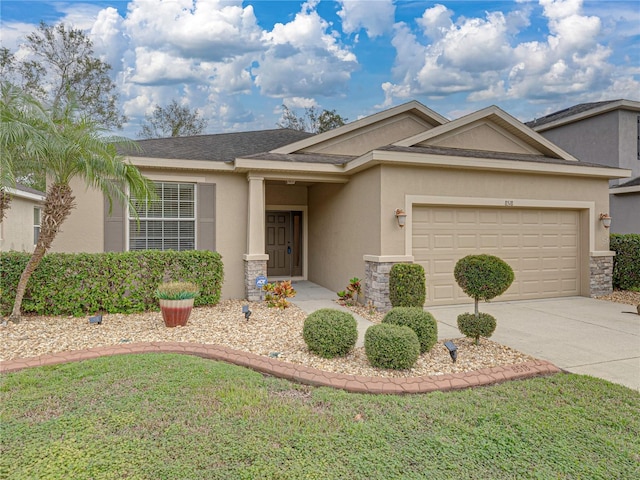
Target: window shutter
{"type": "Point", "coordinates": [206, 206]}
{"type": "Point", "coordinates": [114, 240]}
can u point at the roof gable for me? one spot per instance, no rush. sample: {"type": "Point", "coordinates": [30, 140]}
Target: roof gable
{"type": "Point", "coordinates": [491, 130]}
{"type": "Point", "coordinates": [366, 134]}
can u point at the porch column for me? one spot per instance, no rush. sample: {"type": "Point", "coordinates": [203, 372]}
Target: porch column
{"type": "Point", "coordinates": [255, 258]}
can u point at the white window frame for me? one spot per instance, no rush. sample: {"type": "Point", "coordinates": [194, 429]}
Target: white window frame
{"type": "Point", "coordinates": [37, 225]}
{"type": "Point", "coordinates": [194, 219]}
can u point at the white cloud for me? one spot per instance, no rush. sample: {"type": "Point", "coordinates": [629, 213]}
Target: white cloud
{"type": "Point", "coordinates": [304, 58]}
{"type": "Point", "coordinates": [208, 30]}
{"type": "Point", "coordinates": [376, 17]}
{"type": "Point", "coordinates": [482, 56]}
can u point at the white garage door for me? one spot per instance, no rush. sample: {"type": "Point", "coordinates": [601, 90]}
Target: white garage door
{"type": "Point", "coordinates": [541, 246]}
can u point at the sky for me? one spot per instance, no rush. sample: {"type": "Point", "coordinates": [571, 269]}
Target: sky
{"type": "Point", "coordinates": [238, 62]}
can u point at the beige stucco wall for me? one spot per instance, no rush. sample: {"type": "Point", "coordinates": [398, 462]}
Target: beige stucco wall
{"type": "Point", "coordinates": [373, 136]}
{"type": "Point", "coordinates": [84, 229]}
{"type": "Point", "coordinates": [344, 224]}
{"type": "Point", "coordinates": [398, 182]}
{"type": "Point", "coordinates": [16, 230]}
{"type": "Point", "coordinates": [482, 136]}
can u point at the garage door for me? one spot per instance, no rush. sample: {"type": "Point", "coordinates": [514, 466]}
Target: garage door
{"type": "Point", "coordinates": [541, 246]}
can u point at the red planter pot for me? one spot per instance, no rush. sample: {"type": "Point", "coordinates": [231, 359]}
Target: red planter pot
{"type": "Point", "coordinates": [176, 312]}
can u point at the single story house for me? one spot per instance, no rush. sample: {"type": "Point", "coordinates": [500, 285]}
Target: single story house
{"type": "Point", "coordinates": [331, 206]}
{"type": "Point", "coordinates": [20, 228]}
{"type": "Point", "coordinates": [605, 133]}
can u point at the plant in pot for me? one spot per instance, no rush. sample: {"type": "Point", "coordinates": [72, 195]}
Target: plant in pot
{"type": "Point", "coordinates": [176, 301]}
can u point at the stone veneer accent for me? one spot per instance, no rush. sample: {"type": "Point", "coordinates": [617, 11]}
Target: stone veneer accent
{"type": "Point", "coordinates": [376, 284]}
{"type": "Point", "coordinates": [252, 269]}
{"type": "Point", "coordinates": [600, 276]}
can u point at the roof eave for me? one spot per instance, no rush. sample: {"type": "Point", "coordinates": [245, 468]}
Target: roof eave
{"type": "Point", "coordinates": [377, 157]}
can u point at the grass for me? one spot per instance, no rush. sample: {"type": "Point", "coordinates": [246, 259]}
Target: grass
{"type": "Point", "coordinates": [182, 417]}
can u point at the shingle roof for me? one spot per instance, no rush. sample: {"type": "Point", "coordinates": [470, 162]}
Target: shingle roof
{"type": "Point", "coordinates": [567, 112]}
{"type": "Point", "coordinates": [303, 158]}
{"type": "Point", "coordinates": [221, 147]}
{"type": "Point", "coordinates": [462, 152]}
{"type": "Point", "coordinates": [23, 188]}
{"type": "Point", "coordinates": [634, 182]}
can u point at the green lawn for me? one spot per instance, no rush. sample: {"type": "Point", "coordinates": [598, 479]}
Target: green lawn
{"type": "Point", "coordinates": [182, 417]}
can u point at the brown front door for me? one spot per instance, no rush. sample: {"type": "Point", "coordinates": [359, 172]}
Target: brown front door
{"type": "Point", "coordinates": [284, 244]}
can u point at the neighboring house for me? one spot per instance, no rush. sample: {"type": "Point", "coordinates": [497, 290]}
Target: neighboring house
{"type": "Point", "coordinates": [605, 133]}
{"type": "Point", "coordinates": [20, 228]}
{"type": "Point", "coordinates": [323, 207]}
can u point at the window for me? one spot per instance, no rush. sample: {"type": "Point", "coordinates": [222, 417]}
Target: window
{"type": "Point", "coordinates": [167, 223]}
{"type": "Point", "coordinates": [37, 211]}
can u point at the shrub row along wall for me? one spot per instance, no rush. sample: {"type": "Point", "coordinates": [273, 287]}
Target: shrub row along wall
{"type": "Point", "coordinates": [88, 283]}
{"type": "Point", "coordinates": [626, 263]}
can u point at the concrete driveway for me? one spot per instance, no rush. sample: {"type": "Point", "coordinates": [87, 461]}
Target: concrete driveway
{"type": "Point", "coordinates": [578, 334]}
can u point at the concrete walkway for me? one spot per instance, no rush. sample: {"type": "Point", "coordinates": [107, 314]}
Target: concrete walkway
{"type": "Point", "coordinates": [577, 334]}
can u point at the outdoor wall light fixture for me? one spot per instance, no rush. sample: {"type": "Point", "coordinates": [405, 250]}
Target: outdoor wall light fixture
{"type": "Point", "coordinates": [605, 219]}
{"type": "Point", "coordinates": [401, 216]}
{"type": "Point", "coordinates": [453, 350]}
{"type": "Point", "coordinates": [246, 311]}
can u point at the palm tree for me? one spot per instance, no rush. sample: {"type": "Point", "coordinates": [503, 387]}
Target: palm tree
{"type": "Point", "coordinates": [68, 147]}
{"type": "Point", "coordinates": [24, 122]}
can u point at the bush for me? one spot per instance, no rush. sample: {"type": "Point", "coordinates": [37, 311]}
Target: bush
{"type": "Point", "coordinates": [421, 322]}
{"type": "Point", "coordinates": [483, 277]}
{"type": "Point", "coordinates": [391, 346]}
{"type": "Point", "coordinates": [330, 333]}
{"type": "Point", "coordinates": [626, 263]}
{"type": "Point", "coordinates": [407, 285]}
{"type": "Point", "coordinates": [113, 282]}
{"type": "Point", "coordinates": [473, 326]}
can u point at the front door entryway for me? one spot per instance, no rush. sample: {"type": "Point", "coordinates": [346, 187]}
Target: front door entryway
{"type": "Point", "coordinates": [284, 243]}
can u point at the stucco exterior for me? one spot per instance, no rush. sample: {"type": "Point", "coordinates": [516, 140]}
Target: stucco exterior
{"type": "Point", "coordinates": [17, 228]}
{"type": "Point", "coordinates": [347, 183]}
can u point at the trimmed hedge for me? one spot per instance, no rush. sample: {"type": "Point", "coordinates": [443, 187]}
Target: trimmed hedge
{"type": "Point", "coordinates": [475, 327]}
{"type": "Point", "coordinates": [483, 277]}
{"type": "Point", "coordinates": [626, 263]}
{"type": "Point", "coordinates": [330, 333]}
{"type": "Point", "coordinates": [115, 282]}
{"type": "Point", "coordinates": [421, 322]}
{"type": "Point", "coordinates": [407, 285]}
{"type": "Point", "coordinates": [391, 346]}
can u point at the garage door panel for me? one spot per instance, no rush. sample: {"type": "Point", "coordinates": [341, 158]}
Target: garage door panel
{"type": "Point", "coordinates": [467, 241]}
{"type": "Point", "coordinates": [540, 245]}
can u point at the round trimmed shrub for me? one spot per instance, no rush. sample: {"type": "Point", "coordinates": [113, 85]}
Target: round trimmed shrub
{"type": "Point", "coordinates": [422, 323]}
{"type": "Point", "coordinates": [330, 333]}
{"type": "Point", "coordinates": [407, 285]}
{"type": "Point", "coordinates": [475, 327]}
{"type": "Point", "coordinates": [483, 277]}
{"type": "Point", "coordinates": [391, 346]}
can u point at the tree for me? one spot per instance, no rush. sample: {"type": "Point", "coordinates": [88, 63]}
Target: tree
{"type": "Point", "coordinates": [482, 277]}
{"type": "Point", "coordinates": [311, 121]}
{"type": "Point", "coordinates": [68, 146]}
{"type": "Point", "coordinates": [62, 69]}
{"type": "Point", "coordinates": [172, 121]}
{"type": "Point", "coordinates": [21, 142]}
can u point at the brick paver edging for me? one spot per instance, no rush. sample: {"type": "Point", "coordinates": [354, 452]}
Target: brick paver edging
{"type": "Point", "coordinates": [300, 373]}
